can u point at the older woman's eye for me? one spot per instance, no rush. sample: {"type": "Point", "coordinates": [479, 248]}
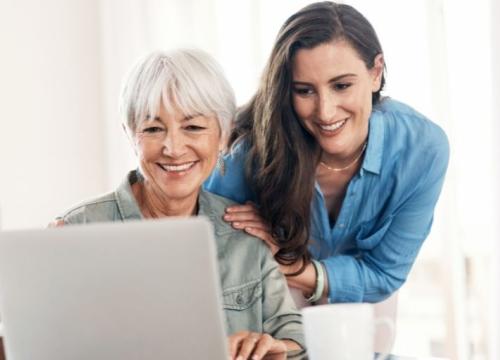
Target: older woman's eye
{"type": "Point", "coordinates": [152, 130]}
{"type": "Point", "coordinates": [194, 128]}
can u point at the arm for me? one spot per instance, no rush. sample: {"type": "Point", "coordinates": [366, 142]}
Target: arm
{"type": "Point", "coordinates": [281, 322]}
{"type": "Point", "coordinates": [281, 318]}
{"type": "Point", "coordinates": [381, 270]}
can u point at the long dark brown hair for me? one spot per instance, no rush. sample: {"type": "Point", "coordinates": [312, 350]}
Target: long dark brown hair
{"type": "Point", "coordinates": [283, 155]}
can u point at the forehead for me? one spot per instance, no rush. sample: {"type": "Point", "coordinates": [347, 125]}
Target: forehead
{"type": "Point", "coordinates": [327, 60]}
{"type": "Point", "coordinates": [168, 108]}
{"type": "Point", "coordinates": [174, 115]}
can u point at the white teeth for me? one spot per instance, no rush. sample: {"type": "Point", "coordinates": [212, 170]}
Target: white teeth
{"type": "Point", "coordinates": [182, 167]}
{"type": "Point", "coordinates": [334, 126]}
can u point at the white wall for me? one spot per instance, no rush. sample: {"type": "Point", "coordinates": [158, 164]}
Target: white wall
{"type": "Point", "coordinates": [52, 134]}
{"type": "Point", "coordinates": [494, 340]}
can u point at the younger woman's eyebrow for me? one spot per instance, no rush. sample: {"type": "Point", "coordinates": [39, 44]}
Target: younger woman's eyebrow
{"type": "Point", "coordinates": [334, 79]}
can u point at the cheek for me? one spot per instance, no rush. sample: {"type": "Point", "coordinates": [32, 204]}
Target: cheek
{"type": "Point", "coordinates": [146, 152]}
{"type": "Point", "coordinates": [208, 148]}
{"type": "Point", "coordinates": [301, 107]}
{"type": "Point", "coordinates": [305, 109]}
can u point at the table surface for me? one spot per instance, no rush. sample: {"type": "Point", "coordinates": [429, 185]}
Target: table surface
{"type": "Point", "coordinates": [292, 355]}
{"type": "Point", "coordinates": [301, 355]}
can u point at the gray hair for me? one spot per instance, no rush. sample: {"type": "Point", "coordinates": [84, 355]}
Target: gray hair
{"type": "Point", "coordinates": [190, 80]}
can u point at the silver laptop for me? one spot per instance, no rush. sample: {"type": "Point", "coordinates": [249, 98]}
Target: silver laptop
{"type": "Point", "coordinates": [136, 290]}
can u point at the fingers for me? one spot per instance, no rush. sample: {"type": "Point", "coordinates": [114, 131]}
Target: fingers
{"type": "Point", "coordinates": [56, 223]}
{"type": "Point", "coordinates": [247, 207]}
{"type": "Point", "coordinates": [247, 345]}
{"type": "Point", "coordinates": [253, 224]}
{"type": "Point", "coordinates": [247, 217]}
{"type": "Point", "coordinates": [263, 346]}
{"type": "Point", "coordinates": [251, 342]}
{"type": "Point", "coordinates": [242, 216]}
{"type": "Point", "coordinates": [232, 342]}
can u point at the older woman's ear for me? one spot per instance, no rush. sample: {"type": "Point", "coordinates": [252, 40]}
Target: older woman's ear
{"type": "Point", "coordinates": [224, 137]}
{"type": "Point", "coordinates": [129, 137]}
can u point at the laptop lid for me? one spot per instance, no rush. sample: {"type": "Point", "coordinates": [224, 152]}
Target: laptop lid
{"type": "Point", "coordinates": [134, 290]}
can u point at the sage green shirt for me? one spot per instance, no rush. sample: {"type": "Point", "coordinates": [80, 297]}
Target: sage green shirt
{"type": "Point", "coordinates": [254, 292]}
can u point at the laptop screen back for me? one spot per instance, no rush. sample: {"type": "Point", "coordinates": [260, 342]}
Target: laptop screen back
{"type": "Point", "coordinates": [135, 290]}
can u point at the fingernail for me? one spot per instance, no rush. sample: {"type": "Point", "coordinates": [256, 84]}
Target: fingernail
{"type": "Point", "coordinates": [239, 357]}
{"type": "Point", "coordinates": [236, 224]}
{"type": "Point", "coordinates": [255, 357]}
{"type": "Point", "coordinates": [227, 217]}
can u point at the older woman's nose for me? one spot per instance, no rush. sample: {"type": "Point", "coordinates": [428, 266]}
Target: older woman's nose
{"type": "Point", "coordinates": [326, 107]}
{"type": "Point", "coordinates": [174, 144]}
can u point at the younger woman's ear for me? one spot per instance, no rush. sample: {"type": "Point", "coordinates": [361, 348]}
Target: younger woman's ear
{"type": "Point", "coordinates": [377, 71]}
{"type": "Point", "coordinates": [129, 135]}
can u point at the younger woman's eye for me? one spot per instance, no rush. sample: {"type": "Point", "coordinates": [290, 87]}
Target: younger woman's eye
{"type": "Point", "coordinates": [303, 91]}
{"type": "Point", "coordinates": [341, 86]}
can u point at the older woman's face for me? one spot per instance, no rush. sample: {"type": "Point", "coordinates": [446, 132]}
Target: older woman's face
{"type": "Point", "coordinates": [177, 153]}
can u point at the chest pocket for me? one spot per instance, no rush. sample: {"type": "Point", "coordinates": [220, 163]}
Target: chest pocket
{"type": "Point", "coordinates": [243, 307]}
{"type": "Point", "coordinates": [372, 232]}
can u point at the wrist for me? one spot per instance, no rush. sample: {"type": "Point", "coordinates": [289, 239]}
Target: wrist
{"type": "Point", "coordinates": [319, 286]}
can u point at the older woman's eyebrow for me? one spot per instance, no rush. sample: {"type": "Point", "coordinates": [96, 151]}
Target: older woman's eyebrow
{"type": "Point", "coordinates": [156, 118]}
{"type": "Point", "coordinates": [191, 116]}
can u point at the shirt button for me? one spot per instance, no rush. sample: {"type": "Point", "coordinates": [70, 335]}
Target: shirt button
{"type": "Point", "coordinates": [341, 225]}
{"type": "Point", "coordinates": [239, 299]}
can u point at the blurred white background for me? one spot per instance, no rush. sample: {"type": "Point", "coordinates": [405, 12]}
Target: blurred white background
{"type": "Point", "coordinates": [61, 67]}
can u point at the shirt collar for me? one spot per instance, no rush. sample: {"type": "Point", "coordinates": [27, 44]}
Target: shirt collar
{"type": "Point", "coordinates": [129, 208]}
{"type": "Point", "coordinates": [127, 205]}
{"type": "Point", "coordinates": [374, 150]}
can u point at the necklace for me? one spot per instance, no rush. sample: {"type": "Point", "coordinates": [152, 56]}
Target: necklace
{"type": "Point", "coordinates": [348, 165]}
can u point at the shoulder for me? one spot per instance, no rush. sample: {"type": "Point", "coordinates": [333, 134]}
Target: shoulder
{"type": "Point", "coordinates": [214, 207]}
{"type": "Point", "coordinates": [232, 183]}
{"type": "Point", "coordinates": [415, 149]}
{"type": "Point", "coordinates": [403, 122]}
{"type": "Point", "coordinates": [98, 209]}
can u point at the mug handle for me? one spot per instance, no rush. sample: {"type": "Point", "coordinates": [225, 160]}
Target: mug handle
{"type": "Point", "coordinates": [389, 323]}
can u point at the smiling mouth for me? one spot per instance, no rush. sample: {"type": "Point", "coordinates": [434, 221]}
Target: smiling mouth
{"type": "Point", "coordinates": [334, 126]}
{"type": "Point", "coordinates": [177, 167]}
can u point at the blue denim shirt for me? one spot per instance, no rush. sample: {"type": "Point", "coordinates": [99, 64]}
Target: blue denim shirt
{"type": "Point", "coordinates": [388, 207]}
{"type": "Point", "coordinates": [254, 292]}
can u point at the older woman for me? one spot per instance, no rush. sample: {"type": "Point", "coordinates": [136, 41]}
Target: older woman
{"type": "Point", "coordinates": [177, 110]}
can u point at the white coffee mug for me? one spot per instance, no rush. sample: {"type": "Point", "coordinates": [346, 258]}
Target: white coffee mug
{"type": "Point", "coordinates": [343, 331]}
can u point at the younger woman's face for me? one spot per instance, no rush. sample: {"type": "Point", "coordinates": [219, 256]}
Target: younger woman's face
{"type": "Point", "coordinates": [332, 94]}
